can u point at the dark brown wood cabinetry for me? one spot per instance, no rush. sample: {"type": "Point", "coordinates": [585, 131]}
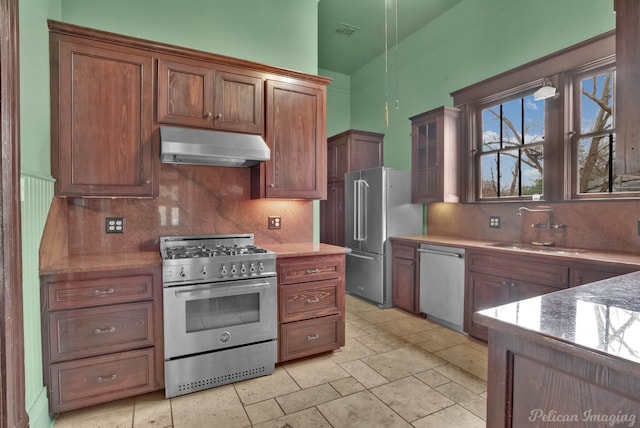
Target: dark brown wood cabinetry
{"type": "Point", "coordinates": [494, 278]}
{"type": "Point", "coordinates": [311, 305]}
{"type": "Point", "coordinates": [434, 160]}
{"type": "Point", "coordinates": [102, 336]}
{"type": "Point", "coordinates": [627, 86]}
{"type": "Point", "coordinates": [196, 94]}
{"type": "Point", "coordinates": [102, 119]}
{"type": "Point", "coordinates": [105, 136]}
{"type": "Point", "coordinates": [296, 135]}
{"type": "Point", "coordinates": [405, 276]}
{"type": "Point", "coordinates": [348, 151]}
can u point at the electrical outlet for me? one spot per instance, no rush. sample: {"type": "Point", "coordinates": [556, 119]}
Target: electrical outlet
{"type": "Point", "coordinates": [114, 225]}
{"type": "Point", "coordinates": [274, 222]}
{"type": "Point", "coordinates": [494, 221]}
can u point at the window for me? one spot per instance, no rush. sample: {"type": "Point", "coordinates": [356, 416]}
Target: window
{"type": "Point", "coordinates": [511, 157]}
{"type": "Point", "coordinates": [594, 138]}
{"type": "Point", "coordinates": [562, 148]}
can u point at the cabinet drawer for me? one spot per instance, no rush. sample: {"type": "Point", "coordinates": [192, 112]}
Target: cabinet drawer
{"type": "Point", "coordinates": [405, 251]}
{"type": "Point", "coordinates": [309, 300]}
{"type": "Point", "coordinates": [310, 269]}
{"type": "Point", "coordinates": [303, 338]}
{"type": "Point", "coordinates": [89, 381]}
{"type": "Point", "coordinates": [520, 268]}
{"type": "Point", "coordinates": [100, 291]}
{"type": "Point", "coordinates": [87, 332]}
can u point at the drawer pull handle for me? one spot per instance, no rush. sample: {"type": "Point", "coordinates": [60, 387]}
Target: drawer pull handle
{"type": "Point", "coordinates": [107, 378]}
{"type": "Point", "coordinates": [103, 292]}
{"type": "Point", "coordinates": [314, 337]}
{"type": "Point", "coordinates": [314, 300]}
{"type": "Point", "coordinates": [104, 330]}
{"type": "Point", "coordinates": [312, 271]}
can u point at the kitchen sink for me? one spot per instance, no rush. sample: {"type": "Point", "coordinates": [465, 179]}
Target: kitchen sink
{"type": "Point", "coordinates": [549, 249]}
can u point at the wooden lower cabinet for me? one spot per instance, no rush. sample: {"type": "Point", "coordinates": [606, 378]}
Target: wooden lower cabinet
{"type": "Point", "coordinates": [89, 381]}
{"type": "Point", "coordinates": [310, 305]}
{"type": "Point", "coordinates": [495, 278]}
{"type": "Point", "coordinates": [309, 337]}
{"type": "Point", "coordinates": [539, 381]}
{"type": "Point", "coordinates": [102, 336]}
{"type": "Point", "coordinates": [405, 276]}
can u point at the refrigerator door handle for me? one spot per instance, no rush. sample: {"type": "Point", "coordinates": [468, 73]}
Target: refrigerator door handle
{"type": "Point", "coordinates": [359, 210]}
{"type": "Point", "coordinates": [361, 257]}
{"type": "Point", "coordinates": [363, 210]}
{"type": "Point", "coordinates": [356, 188]}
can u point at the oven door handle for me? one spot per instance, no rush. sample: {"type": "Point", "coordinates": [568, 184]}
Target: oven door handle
{"type": "Point", "coordinates": [220, 291]}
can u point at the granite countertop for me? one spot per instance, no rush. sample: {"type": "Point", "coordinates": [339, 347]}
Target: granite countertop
{"type": "Point", "coordinates": [298, 249]}
{"type": "Point", "coordinates": [603, 317]}
{"type": "Point", "coordinates": [583, 254]}
{"type": "Point", "coordinates": [96, 262]}
{"type": "Point", "coordinates": [114, 261]}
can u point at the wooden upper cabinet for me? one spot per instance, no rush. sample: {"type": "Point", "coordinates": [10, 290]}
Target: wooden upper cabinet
{"type": "Point", "coordinates": [102, 120]}
{"type": "Point", "coordinates": [350, 150]}
{"type": "Point", "coordinates": [434, 160]}
{"type": "Point", "coordinates": [185, 94]}
{"type": "Point", "coordinates": [627, 87]}
{"type": "Point", "coordinates": [353, 150]}
{"type": "Point", "coordinates": [204, 97]}
{"type": "Point", "coordinates": [296, 135]}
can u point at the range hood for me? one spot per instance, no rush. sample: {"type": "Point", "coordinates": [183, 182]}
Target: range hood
{"type": "Point", "coordinates": [209, 147]}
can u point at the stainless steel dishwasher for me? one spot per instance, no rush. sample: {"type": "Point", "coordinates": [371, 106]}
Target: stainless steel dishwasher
{"type": "Point", "coordinates": [442, 284]}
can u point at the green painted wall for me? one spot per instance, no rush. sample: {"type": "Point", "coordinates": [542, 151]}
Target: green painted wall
{"type": "Point", "coordinates": [474, 40]}
{"type": "Point", "coordinates": [276, 32]}
{"type": "Point", "coordinates": [338, 102]}
{"type": "Point", "coordinates": [34, 83]}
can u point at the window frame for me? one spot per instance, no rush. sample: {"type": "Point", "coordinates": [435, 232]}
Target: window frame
{"type": "Point", "coordinates": [600, 66]}
{"type": "Point", "coordinates": [478, 142]}
{"type": "Point", "coordinates": [559, 68]}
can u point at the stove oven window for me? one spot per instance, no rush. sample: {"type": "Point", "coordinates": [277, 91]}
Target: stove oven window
{"type": "Point", "coordinates": [220, 312]}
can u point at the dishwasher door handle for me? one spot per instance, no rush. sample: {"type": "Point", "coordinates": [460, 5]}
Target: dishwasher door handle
{"type": "Point", "coordinates": [440, 253]}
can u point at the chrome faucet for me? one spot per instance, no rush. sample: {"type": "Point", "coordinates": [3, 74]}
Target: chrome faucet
{"type": "Point", "coordinates": [542, 209]}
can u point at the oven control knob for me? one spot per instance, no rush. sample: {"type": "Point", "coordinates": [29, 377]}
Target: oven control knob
{"type": "Point", "coordinates": [224, 337]}
{"type": "Point", "coordinates": [252, 268]}
{"type": "Point", "coordinates": [261, 267]}
{"type": "Point", "coordinates": [182, 273]}
{"type": "Point", "coordinates": [243, 269]}
{"type": "Point", "coordinates": [234, 270]}
{"type": "Point", "coordinates": [223, 271]}
{"type": "Point", "coordinates": [204, 271]}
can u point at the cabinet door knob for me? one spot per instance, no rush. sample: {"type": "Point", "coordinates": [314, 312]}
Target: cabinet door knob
{"type": "Point", "coordinates": [219, 116]}
{"type": "Point", "coordinates": [207, 115]}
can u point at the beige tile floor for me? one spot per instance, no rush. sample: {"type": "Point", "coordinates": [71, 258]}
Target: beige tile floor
{"type": "Point", "coordinates": [396, 370]}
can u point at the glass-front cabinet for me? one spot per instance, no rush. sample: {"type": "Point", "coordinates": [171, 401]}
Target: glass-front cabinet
{"type": "Point", "coordinates": [434, 158]}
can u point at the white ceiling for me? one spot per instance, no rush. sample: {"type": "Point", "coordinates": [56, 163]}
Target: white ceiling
{"type": "Point", "coordinates": [346, 54]}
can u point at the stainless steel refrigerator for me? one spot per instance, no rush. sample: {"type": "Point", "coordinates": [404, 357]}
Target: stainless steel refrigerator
{"type": "Point", "coordinates": [377, 206]}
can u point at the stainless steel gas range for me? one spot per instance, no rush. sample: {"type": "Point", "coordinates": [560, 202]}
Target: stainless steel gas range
{"type": "Point", "coordinates": [220, 311]}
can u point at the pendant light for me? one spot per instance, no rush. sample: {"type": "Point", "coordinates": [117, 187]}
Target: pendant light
{"type": "Point", "coordinates": [386, 58]}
